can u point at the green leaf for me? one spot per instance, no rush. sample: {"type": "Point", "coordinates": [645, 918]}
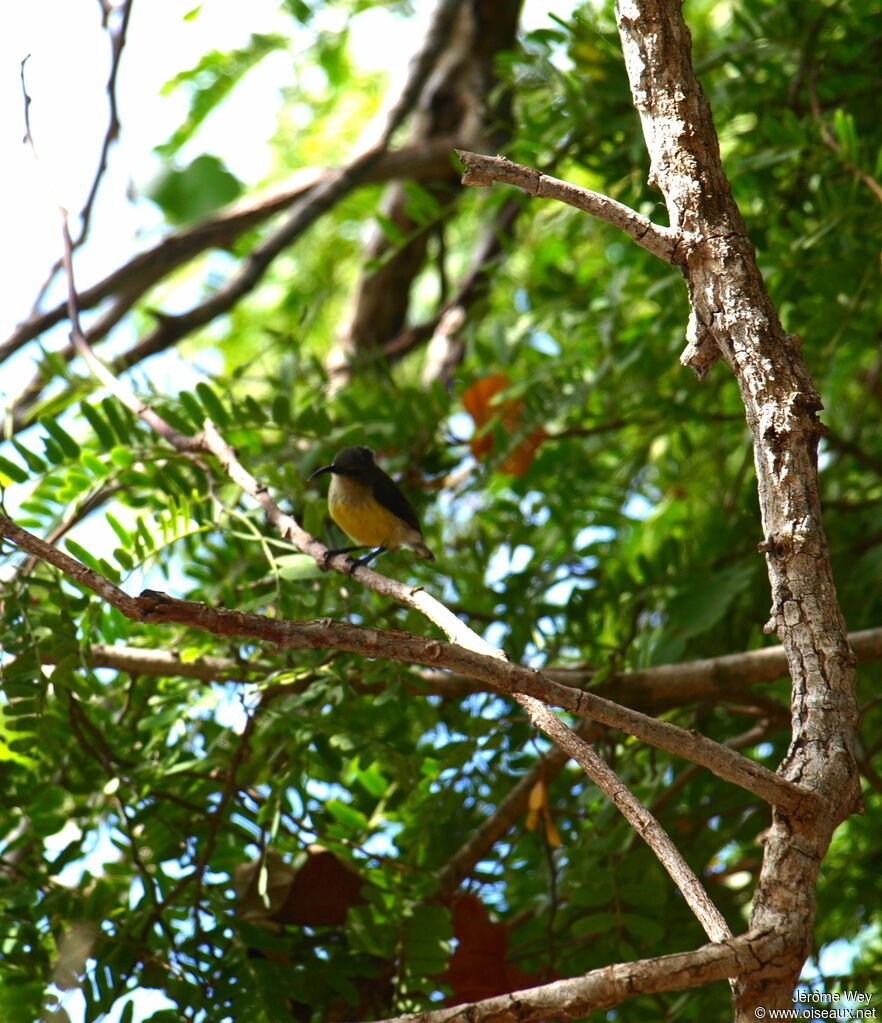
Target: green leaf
{"type": "Point", "coordinates": [116, 416]}
{"type": "Point", "coordinates": [124, 558]}
{"type": "Point", "coordinates": [427, 935]}
{"type": "Point", "coordinates": [81, 554]}
{"type": "Point", "coordinates": [54, 452]}
{"type": "Point", "coordinates": [281, 410]}
{"type": "Point", "coordinates": [125, 537]}
{"type": "Point", "coordinates": [192, 408]}
{"type": "Point", "coordinates": [212, 404]}
{"type": "Point", "coordinates": [93, 464]}
{"type": "Point", "coordinates": [191, 193]}
{"type": "Point", "coordinates": [390, 229]}
{"type": "Point", "coordinates": [255, 411]}
{"type": "Point", "coordinates": [846, 132]}
{"type": "Point", "coordinates": [64, 440]}
{"type": "Point", "coordinates": [103, 432]}
{"type": "Point", "coordinates": [347, 815]}
{"type": "Point", "coordinates": [14, 472]}
{"type": "Point", "coordinates": [32, 460]}
{"type": "Point", "coordinates": [211, 80]}
{"type": "Point", "coordinates": [372, 780]}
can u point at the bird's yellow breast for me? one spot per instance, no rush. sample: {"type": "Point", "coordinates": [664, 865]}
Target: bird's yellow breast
{"type": "Point", "coordinates": [359, 515]}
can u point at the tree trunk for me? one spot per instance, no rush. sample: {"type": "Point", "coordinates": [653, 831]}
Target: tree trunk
{"type": "Point", "coordinates": [732, 313]}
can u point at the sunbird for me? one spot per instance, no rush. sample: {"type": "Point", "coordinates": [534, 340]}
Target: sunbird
{"type": "Point", "coordinates": [368, 506]}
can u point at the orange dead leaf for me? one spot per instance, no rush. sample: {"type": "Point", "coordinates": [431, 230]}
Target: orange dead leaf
{"type": "Point", "coordinates": [316, 895]}
{"type": "Point", "coordinates": [537, 804]}
{"type": "Point", "coordinates": [551, 832]}
{"type": "Point", "coordinates": [478, 401]}
{"type": "Point", "coordinates": [478, 967]}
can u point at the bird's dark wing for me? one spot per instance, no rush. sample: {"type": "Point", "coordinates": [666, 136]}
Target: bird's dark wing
{"type": "Point", "coordinates": [386, 492]}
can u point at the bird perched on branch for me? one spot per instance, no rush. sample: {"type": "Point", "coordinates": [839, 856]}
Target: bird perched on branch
{"type": "Point", "coordinates": [368, 506]}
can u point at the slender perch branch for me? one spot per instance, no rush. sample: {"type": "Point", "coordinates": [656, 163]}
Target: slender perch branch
{"type": "Point", "coordinates": [483, 170]}
{"type": "Point", "coordinates": [472, 661]}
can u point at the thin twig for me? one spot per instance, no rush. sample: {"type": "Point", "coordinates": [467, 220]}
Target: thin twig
{"type": "Point", "coordinates": [111, 134]}
{"type": "Point", "coordinates": [117, 44]}
{"type": "Point", "coordinates": [831, 143]}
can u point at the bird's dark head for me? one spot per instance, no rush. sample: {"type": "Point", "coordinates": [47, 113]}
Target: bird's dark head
{"type": "Point", "coordinates": [354, 462]}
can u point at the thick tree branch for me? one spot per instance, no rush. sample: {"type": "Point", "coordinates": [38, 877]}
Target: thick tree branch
{"type": "Point", "coordinates": [463, 70]}
{"type": "Point", "coordinates": [666, 686]}
{"type": "Point", "coordinates": [611, 985]}
{"type": "Point", "coordinates": [219, 231]}
{"type": "Point", "coordinates": [478, 660]}
{"type": "Point", "coordinates": [483, 170]}
{"type": "Point", "coordinates": [158, 608]}
{"type": "Point", "coordinates": [645, 689]}
{"type": "Point", "coordinates": [423, 63]}
{"type": "Point", "coordinates": [730, 305]}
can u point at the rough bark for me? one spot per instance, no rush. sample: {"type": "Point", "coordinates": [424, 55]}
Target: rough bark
{"type": "Point", "coordinates": [733, 312]}
{"type": "Point", "coordinates": [453, 101]}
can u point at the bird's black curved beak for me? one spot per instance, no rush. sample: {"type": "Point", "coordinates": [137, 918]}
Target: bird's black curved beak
{"type": "Point", "coordinates": [319, 472]}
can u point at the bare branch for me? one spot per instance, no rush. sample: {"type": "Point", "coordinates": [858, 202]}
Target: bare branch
{"type": "Point", "coordinates": [635, 813]}
{"type": "Point", "coordinates": [87, 577]}
{"type": "Point", "coordinates": [484, 170]}
{"type": "Point", "coordinates": [478, 659]}
{"type": "Point", "coordinates": [730, 302]}
{"type": "Point", "coordinates": [117, 44]}
{"type": "Point", "coordinates": [164, 663]}
{"type": "Point", "coordinates": [649, 689]}
{"type": "Point", "coordinates": [220, 231]}
{"type": "Point", "coordinates": [611, 985]}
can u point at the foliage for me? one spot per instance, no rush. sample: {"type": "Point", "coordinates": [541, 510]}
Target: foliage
{"type": "Point", "coordinates": [133, 802]}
